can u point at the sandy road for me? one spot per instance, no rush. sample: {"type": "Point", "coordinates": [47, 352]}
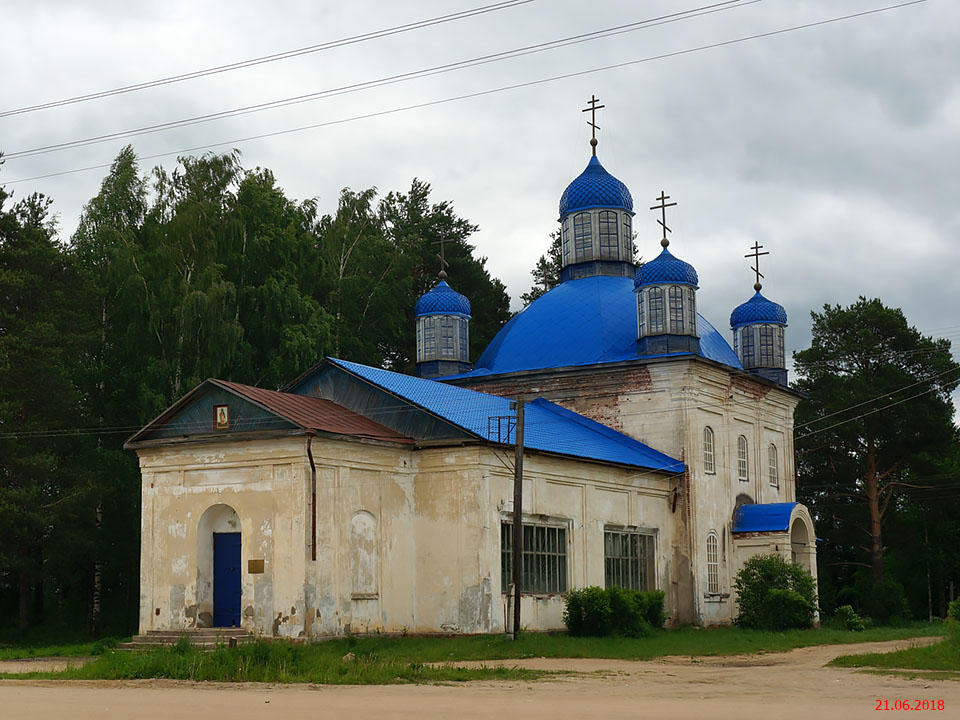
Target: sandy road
{"type": "Point", "coordinates": [780, 685]}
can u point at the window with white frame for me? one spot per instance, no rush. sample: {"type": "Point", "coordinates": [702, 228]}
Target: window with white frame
{"type": "Point", "coordinates": [713, 563]}
{"type": "Point", "coordinates": [773, 465]}
{"type": "Point", "coordinates": [583, 236]}
{"type": "Point", "coordinates": [766, 346]}
{"type": "Point", "coordinates": [567, 240]}
{"type": "Point", "coordinates": [447, 340]}
{"type": "Point", "coordinates": [748, 347]}
{"type": "Point", "coordinates": [544, 558]}
{"type": "Point", "coordinates": [690, 307]}
{"type": "Point", "coordinates": [627, 239]}
{"type": "Point", "coordinates": [429, 324]}
{"type": "Point", "coordinates": [609, 241]}
{"type": "Point", "coordinates": [629, 560]}
{"type": "Point", "coordinates": [675, 295]}
{"type": "Point", "coordinates": [709, 459]}
{"type": "Point", "coordinates": [641, 316]}
{"type": "Point", "coordinates": [655, 315]}
{"type": "Point", "coordinates": [743, 466]}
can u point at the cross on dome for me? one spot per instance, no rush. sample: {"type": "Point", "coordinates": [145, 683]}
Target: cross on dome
{"type": "Point", "coordinates": [756, 263]}
{"type": "Point", "coordinates": [592, 122]}
{"type": "Point", "coordinates": [662, 207]}
{"type": "Point", "coordinates": [443, 261]}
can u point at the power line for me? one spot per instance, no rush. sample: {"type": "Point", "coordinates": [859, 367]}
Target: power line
{"type": "Point", "coordinates": [395, 30]}
{"type": "Point", "coordinates": [385, 81]}
{"type": "Point", "coordinates": [483, 93]}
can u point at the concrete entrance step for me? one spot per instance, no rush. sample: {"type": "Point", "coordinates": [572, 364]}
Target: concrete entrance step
{"type": "Point", "coordinates": [200, 638]}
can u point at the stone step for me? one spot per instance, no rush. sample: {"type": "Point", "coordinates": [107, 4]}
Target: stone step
{"type": "Point", "coordinates": [200, 638]}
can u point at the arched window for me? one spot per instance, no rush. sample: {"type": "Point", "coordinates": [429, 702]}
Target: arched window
{"type": "Point", "coordinates": [743, 467]}
{"type": "Point", "coordinates": [772, 464]}
{"type": "Point", "coordinates": [567, 241]}
{"type": "Point", "coordinates": [709, 463]}
{"type": "Point", "coordinates": [582, 237]}
{"type": "Point", "coordinates": [655, 313]}
{"type": "Point", "coordinates": [641, 316]}
{"type": "Point", "coordinates": [766, 346]}
{"type": "Point", "coordinates": [627, 239]}
{"type": "Point", "coordinates": [609, 241]}
{"type": "Point", "coordinates": [463, 335]}
{"type": "Point", "coordinates": [446, 337]}
{"type": "Point", "coordinates": [691, 310]}
{"type": "Point", "coordinates": [713, 563]}
{"type": "Point", "coordinates": [747, 346]}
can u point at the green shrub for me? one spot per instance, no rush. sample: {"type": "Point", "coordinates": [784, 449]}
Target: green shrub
{"type": "Point", "coordinates": [886, 602]}
{"type": "Point", "coordinates": [774, 594]}
{"type": "Point", "coordinates": [846, 618]}
{"type": "Point", "coordinates": [953, 610]}
{"type": "Point", "coordinates": [605, 611]}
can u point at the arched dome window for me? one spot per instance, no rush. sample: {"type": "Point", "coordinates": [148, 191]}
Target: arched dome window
{"type": "Point", "coordinates": [582, 236]}
{"type": "Point", "coordinates": [609, 238]}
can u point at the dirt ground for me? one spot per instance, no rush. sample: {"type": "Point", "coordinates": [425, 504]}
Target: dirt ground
{"type": "Point", "coordinates": [776, 685]}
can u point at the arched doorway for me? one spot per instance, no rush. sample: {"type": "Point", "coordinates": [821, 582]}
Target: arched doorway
{"type": "Point", "coordinates": [219, 589]}
{"type": "Point", "coordinates": [799, 542]}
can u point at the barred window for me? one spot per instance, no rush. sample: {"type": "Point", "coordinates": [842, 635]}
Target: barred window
{"type": "Point", "coordinates": [627, 252]}
{"type": "Point", "coordinates": [641, 320]}
{"type": "Point", "coordinates": [609, 242]}
{"type": "Point", "coordinates": [628, 560]}
{"type": "Point", "coordinates": [747, 345]}
{"type": "Point", "coordinates": [772, 465]}
{"type": "Point", "coordinates": [676, 310]}
{"type": "Point", "coordinates": [743, 466]}
{"type": "Point", "coordinates": [713, 563]}
{"type": "Point", "coordinates": [709, 462]}
{"type": "Point", "coordinates": [656, 318]}
{"type": "Point", "coordinates": [429, 338]}
{"type": "Point", "coordinates": [544, 559]}
{"type": "Point", "coordinates": [463, 335]}
{"type": "Point", "coordinates": [766, 346]}
{"type": "Point", "coordinates": [583, 236]}
{"type": "Point", "coordinates": [446, 337]}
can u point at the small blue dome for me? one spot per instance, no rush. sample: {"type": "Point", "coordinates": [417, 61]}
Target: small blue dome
{"type": "Point", "coordinates": [442, 299]}
{"type": "Point", "coordinates": [595, 187]}
{"type": "Point", "coordinates": [758, 310]}
{"type": "Point", "coordinates": [665, 268]}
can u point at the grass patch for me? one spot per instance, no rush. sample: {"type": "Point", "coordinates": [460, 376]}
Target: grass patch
{"type": "Point", "coordinates": [81, 649]}
{"type": "Point", "coordinates": [943, 656]}
{"type": "Point", "coordinates": [277, 662]}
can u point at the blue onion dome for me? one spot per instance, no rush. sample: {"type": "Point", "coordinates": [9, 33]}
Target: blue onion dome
{"type": "Point", "coordinates": [595, 187]}
{"type": "Point", "coordinates": [442, 299]}
{"type": "Point", "coordinates": [758, 310]}
{"type": "Point", "coordinates": [665, 268]}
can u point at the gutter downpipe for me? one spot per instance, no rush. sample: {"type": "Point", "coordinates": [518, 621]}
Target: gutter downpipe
{"type": "Point", "coordinates": [313, 497]}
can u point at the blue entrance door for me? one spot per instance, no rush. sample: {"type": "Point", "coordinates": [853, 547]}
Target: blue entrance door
{"type": "Point", "coordinates": [226, 579]}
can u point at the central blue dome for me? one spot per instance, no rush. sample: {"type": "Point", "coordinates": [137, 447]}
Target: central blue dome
{"type": "Point", "coordinates": [593, 188]}
{"type": "Point", "coordinates": [581, 322]}
{"type": "Point", "coordinates": [665, 268]}
{"type": "Point", "coordinates": [442, 299]}
{"type": "Point", "coordinates": [758, 310]}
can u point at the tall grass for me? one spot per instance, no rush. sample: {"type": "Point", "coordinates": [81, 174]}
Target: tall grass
{"type": "Point", "coordinates": [941, 656]}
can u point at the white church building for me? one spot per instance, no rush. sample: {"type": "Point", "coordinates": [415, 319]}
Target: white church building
{"type": "Point", "coordinates": [656, 456]}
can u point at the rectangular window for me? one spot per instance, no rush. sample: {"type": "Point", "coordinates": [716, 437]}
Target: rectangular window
{"type": "Point", "coordinates": [628, 560]}
{"type": "Point", "coordinates": [609, 242]}
{"type": "Point", "coordinates": [583, 237]}
{"type": "Point", "coordinates": [544, 559]}
{"type": "Point", "coordinates": [746, 343]}
{"type": "Point", "coordinates": [446, 338]}
{"type": "Point", "coordinates": [676, 310]}
{"type": "Point", "coordinates": [430, 338]}
{"type": "Point", "coordinates": [656, 319]}
{"type": "Point", "coordinates": [766, 346]}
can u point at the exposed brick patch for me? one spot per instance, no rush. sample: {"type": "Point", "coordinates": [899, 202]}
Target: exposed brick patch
{"type": "Point", "coordinates": [595, 395]}
{"type": "Point", "coordinates": [755, 390]}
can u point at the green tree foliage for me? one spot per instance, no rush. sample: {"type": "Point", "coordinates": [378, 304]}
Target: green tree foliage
{"type": "Point", "coordinates": [875, 437]}
{"type": "Point", "coordinates": [546, 273]}
{"type": "Point", "coordinates": [40, 338]}
{"type": "Point", "coordinates": [773, 594]}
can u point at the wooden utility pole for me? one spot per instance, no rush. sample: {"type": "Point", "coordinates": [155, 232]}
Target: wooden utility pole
{"type": "Point", "coordinates": [517, 515]}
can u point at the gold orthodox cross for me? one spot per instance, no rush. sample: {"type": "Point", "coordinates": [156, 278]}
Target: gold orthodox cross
{"type": "Point", "coordinates": [592, 122]}
{"type": "Point", "coordinates": [756, 263]}
{"type": "Point", "coordinates": [662, 207]}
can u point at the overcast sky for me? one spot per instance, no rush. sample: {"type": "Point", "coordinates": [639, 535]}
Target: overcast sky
{"type": "Point", "coordinates": [836, 147]}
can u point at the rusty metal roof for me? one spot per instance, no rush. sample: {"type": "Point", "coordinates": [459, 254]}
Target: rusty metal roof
{"type": "Point", "coordinates": [315, 414]}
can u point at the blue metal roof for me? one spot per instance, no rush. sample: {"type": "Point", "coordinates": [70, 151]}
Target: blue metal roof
{"type": "Point", "coordinates": [758, 310]}
{"type": "Point", "coordinates": [581, 322]}
{"type": "Point", "coordinates": [665, 268]}
{"type": "Point", "coordinates": [548, 427]}
{"type": "Point", "coordinates": [442, 299]}
{"type": "Point", "coordinates": [769, 517]}
{"type": "Point", "coordinates": [595, 187]}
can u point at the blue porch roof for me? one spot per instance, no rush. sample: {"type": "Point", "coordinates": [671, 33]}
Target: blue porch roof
{"type": "Point", "coordinates": [768, 517]}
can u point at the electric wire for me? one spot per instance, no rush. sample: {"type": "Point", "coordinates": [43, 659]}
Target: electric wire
{"type": "Point", "coordinates": [485, 93]}
{"type": "Point", "coordinates": [383, 82]}
{"type": "Point", "coordinates": [395, 30]}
